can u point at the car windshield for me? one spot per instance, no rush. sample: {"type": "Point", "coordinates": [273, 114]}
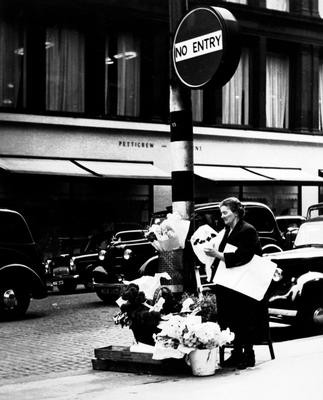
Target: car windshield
{"type": "Point", "coordinates": [284, 224]}
{"type": "Point", "coordinates": [310, 233]}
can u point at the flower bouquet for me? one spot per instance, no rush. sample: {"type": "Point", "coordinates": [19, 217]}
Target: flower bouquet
{"type": "Point", "coordinates": [170, 234]}
{"type": "Point", "coordinates": [193, 339]}
{"type": "Point", "coordinates": [180, 335]}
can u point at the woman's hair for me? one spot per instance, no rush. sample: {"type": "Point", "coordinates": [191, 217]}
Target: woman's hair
{"type": "Point", "coordinates": [235, 206]}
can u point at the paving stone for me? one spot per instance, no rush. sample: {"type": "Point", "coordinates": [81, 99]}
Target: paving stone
{"type": "Point", "coordinates": [58, 334]}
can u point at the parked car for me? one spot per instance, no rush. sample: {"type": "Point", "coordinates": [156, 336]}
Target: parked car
{"type": "Point", "coordinates": [22, 273]}
{"type": "Point", "coordinates": [64, 272]}
{"type": "Point", "coordinates": [76, 260]}
{"type": "Point", "coordinates": [126, 259]}
{"type": "Point", "coordinates": [296, 293]}
{"type": "Point", "coordinates": [121, 261]}
{"type": "Point", "coordinates": [314, 211]}
{"type": "Point", "coordinates": [289, 225]}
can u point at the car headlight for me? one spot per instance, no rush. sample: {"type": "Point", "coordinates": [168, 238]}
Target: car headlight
{"type": "Point", "coordinates": [127, 254]}
{"type": "Point", "coordinates": [47, 267]}
{"type": "Point", "coordinates": [72, 265]}
{"type": "Point", "coordinates": [278, 275]}
{"type": "Point", "coordinates": [102, 255]}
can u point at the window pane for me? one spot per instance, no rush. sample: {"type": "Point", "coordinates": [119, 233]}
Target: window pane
{"type": "Point", "coordinates": [64, 70]}
{"type": "Point", "coordinates": [281, 5]}
{"type": "Point", "coordinates": [235, 94]}
{"type": "Point", "coordinates": [277, 91]}
{"type": "Point", "coordinates": [124, 68]}
{"type": "Point", "coordinates": [321, 95]}
{"type": "Point", "coordinates": [320, 7]}
{"type": "Point", "coordinates": [12, 51]}
{"type": "Point", "coordinates": [197, 105]}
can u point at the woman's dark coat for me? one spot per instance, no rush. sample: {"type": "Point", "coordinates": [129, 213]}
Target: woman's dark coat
{"type": "Point", "coordinates": [245, 316]}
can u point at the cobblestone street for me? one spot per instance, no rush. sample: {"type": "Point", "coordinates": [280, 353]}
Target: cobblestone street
{"type": "Point", "coordinates": [58, 334]}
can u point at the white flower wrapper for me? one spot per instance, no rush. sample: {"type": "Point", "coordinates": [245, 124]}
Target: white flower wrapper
{"type": "Point", "coordinates": [181, 335]}
{"type": "Point", "coordinates": [203, 237]}
{"type": "Point", "coordinates": [170, 233]}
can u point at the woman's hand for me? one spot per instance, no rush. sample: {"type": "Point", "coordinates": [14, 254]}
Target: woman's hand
{"type": "Point", "coordinates": [212, 252]}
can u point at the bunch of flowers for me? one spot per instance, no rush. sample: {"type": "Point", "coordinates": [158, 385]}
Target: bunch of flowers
{"type": "Point", "coordinates": [182, 334]}
{"type": "Point", "coordinates": [169, 234]}
{"type": "Point", "coordinates": [204, 305]}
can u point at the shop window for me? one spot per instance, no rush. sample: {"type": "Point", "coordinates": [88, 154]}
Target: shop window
{"type": "Point", "coordinates": [12, 55]}
{"type": "Point", "coordinates": [235, 94]}
{"type": "Point", "coordinates": [280, 5]}
{"type": "Point", "coordinates": [277, 91]}
{"type": "Point", "coordinates": [64, 70]}
{"type": "Point", "coordinates": [124, 66]}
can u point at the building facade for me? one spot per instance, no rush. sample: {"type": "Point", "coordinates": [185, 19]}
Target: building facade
{"type": "Point", "coordinates": [84, 112]}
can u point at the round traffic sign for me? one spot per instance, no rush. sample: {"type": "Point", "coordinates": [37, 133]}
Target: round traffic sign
{"type": "Point", "coordinates": [206, 47]}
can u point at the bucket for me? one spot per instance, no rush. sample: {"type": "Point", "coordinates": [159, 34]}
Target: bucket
{"type": "Point", "coordinates": [204, 362]}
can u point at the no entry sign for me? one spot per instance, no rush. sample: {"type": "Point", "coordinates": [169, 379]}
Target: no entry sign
{"type": "Point", "coordinates": [206, 47]}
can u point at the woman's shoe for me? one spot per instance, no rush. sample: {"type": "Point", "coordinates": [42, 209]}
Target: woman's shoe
{"type": "Point", "coordinates": [234, 360]}
{"type": "Point", "coordinates": [249, 356]}
{"type": "Point", "coordinates": [247, 360]}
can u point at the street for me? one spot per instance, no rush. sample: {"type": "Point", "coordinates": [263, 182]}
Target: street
{"type": "Point", "coordinates": [50, 352]}
{"type": "Point", "coordinates": [58, 334]}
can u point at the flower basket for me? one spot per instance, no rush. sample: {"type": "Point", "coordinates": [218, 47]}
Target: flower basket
{"type": "Point", "coordinates": [203, 362]}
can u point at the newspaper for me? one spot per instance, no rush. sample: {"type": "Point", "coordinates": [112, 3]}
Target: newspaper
{"type": "Point", "coordinates": [251, 279]}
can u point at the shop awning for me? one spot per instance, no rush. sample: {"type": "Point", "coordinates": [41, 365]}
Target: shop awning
{"type": "Point", "coordinates": [70, 167]}
{"type": "Point", "coordinates": [228, 174]}
{"type": "Point", "coordinates": [131, 170]}
{"type": "Point", "coordinates": [257, 175]}
{"type": "Point", "coordinates": [42, 166]}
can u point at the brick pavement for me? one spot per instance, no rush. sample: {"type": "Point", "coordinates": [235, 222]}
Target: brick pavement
{"type": "Point", "coordinates": [58, 334]}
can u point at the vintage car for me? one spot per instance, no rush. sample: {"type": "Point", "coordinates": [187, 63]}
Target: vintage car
{"type": "Point", "coordinates": [121, 261]}
{"type": "Point", "coordinates": [76, 259]}
{"type": "Point", "coordinates": [296, 293]}
{"type": "Point", "coordinates": [70, 267]}
{"type": "Point", "coordinates": [314, 211]}
{"type": "Point", "coordinates": [289, 225]}
{"type": "Point", "coordinates": [22, 273]}
{"type": "Point", "coordinates": [127, 259]}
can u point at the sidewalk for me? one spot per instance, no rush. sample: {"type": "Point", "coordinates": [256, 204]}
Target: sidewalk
{"type": "Point", "coordinates": [296, 373]}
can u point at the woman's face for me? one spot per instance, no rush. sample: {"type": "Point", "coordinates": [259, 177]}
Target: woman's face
{"type": "Point", "coordinates": [228, 216]}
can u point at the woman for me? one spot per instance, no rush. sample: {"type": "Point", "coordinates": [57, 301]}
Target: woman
{"type": "Point", "coordinates": [242, 314]}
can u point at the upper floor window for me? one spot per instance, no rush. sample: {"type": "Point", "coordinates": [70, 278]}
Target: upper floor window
{"type": "Point", "coordinates": [320, 7]}
{"type": "Point", "coordinates": [122, 74]}
{"type": "Point", "coordinates": [12, 71]}
{"type": "Point", "coordinates": [197, 105]}
{"type": "Point", "coordinates": [321, 95]}
{"type": "Point", "coordinates": [281, 5]}
{"type": "Point", "coordinates": [277, 91]}
{"type": "Point", "coordinates": [235, 94]}
{"type": "Point", "coordinates": [64, 69]}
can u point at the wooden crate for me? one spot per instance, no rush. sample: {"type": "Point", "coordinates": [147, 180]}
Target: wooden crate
{"type": "Point", "coordinates": [121, 359]}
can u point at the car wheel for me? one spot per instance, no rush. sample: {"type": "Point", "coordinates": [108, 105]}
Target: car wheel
{"type": "Point", "coordinates": [14, 302]}
{"type": "Point", "coordinates": [310, 316]}
{"type": "Point", "coordinates": [67, 287]}
{"type": "Point", "coordinates": [105, 297]}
